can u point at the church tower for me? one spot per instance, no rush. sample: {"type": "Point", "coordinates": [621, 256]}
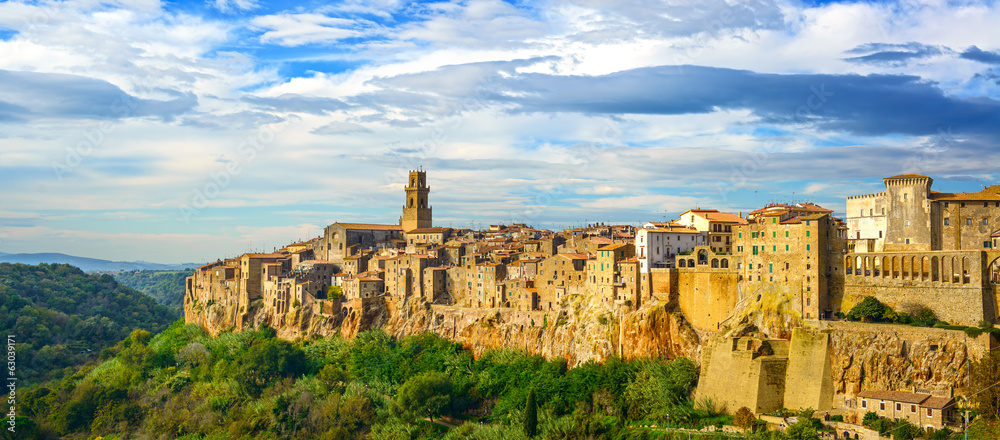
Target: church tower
{"type": "Point", "coordinates": [416, 211]}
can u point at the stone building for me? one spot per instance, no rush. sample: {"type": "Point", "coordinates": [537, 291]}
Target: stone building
{"type": "Point", "coordinates": [656, 244]}
{"type": "Point", "coordinates": [417, 210]}
{"type": "Point", "coordinates": [909, 216]}
{"type": "Point", "coordinates": [921, 409]}
{"type": "Point", "coordinates": [559, 276]}
{"type": "Point", "coordinates": [797, 259]}
{"type": "Point", "coordinates": [718, 226]}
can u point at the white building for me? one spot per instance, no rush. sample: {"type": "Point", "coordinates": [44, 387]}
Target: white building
{"type": "Point", "coordinates": [656, 244]}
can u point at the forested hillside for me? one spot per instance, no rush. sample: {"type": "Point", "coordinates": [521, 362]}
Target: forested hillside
{"type": "Point", "coordinates": [165, 286]}
{"type": "Point", "coordinates": [62, 317]}
{"type": "Point", "coordinates": [184, 384]}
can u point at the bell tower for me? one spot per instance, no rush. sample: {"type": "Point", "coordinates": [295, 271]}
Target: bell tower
{"type": "Point", "coordinates": [416, 211]}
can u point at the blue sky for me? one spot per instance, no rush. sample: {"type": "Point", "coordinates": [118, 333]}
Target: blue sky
{"type": "Point", "coordinates": [188, 131]}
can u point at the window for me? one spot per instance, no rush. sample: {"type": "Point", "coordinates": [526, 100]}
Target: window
{"type": "Point", "coordinates": [864, 403]}
{"type": "Point", "coordinates": [808, 301]}
{"type": "Point", "coordinates": [879, 234]}
{"type": "Point", "coordinates": [930, 412]}
{"type": "Point", "coordinates": [774, 248]}
{"type": "Point", "coordinates": [881, 406]}
{"type": "Point", "coordinates": [947, 221]}
{"type": "Point", "coordinates": [807, 233]}
{"type": "Point", "coordinates": [907, 223]}
{"type": "Point", "coordinates": [774, 234]}
{"type": "Point", "coordinates": [770, 267]}
{"type": "Point", "coordinates": [786, 265]}
{"type": "Point", "coordinates": [905, 196]}
{"type": "Point", "coordinates": [741, 235]}
{"type": "Point", "coordinates": [807, 247]}
{"type": "Point", "coordinates": [870, 212]}
{"type": "Point", "coordinates": [907, 241]}
{"type": "Point", "coordinates": [913, 409]}
{"type": "Point", "coordinates": [786, 247]}
{"type": "Point", "coordinates": [986, 221]}
{"type": "Point", "coordinates": [899, 406]}
{"type": "Point", "coordinates": [968, 221]}
{"type": "Point", "coordinates": [786, 233]}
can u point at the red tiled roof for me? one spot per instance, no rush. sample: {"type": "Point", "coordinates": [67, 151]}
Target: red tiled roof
{"type": "Point", "coordinates": [938, 402]}
{"type": "Point", "coordinates": [575, 256]}
{"type": "Point", "coordinates": [990, 193]}
{"type": "Point", "coordinates": [895, 396]}
{"type": "Point", "coordinates": [433, 230]}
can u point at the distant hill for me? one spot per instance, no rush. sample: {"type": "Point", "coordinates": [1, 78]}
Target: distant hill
{"type": "Point", "coordinates": [62, 317]}
{"type": "Point", "coordinates": [90, 264]}
{"type": "Point", "coordinates": [165, 286]}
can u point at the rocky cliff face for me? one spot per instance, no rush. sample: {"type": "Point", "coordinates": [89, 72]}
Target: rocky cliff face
{"type": "Point", "coordinates": [582, 331]}
{"type": "Point", "coordinates": [895, 357]}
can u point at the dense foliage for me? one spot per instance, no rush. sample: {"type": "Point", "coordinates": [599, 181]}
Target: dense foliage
{"type": "Point", "coordinates": [165, 286]}
{"type": "Point", "coordinates": [184, 384]}
{"type": "Point", "coordinates": [62, 317]}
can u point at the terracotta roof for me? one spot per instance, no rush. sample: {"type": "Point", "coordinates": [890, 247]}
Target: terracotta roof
{"type": "Point", "coordinates": [370, 227]}
{"type": "Point", "coordinates": [600, 240]}
{"type": "Point", "coordinates": [611, 247]}
{"type": "Point", "coordinates": [433, 230]}
{"type": "Point", "coordinates": [575, 256]}
{"type": "Point", "coordinates": [938, 402]}
{"type": "Point", "coordinates": [265, 255]}
{"type": "Point", "coordinates": [369, 279]}
{"type": "Point", "coordinates": [991, 193]}
{"type": "Point", "coordinates": [895, 396]}
{"type": "Point", "coordinates": [725, 217]}
{"type": "Point", "coordinates": [316, 262]}
{"type": "Point", "coordinates": [908, 176]}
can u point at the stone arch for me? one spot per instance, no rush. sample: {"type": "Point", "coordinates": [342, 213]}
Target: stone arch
{"type": "Point", "coordinates": [895, 267]}
{"type": "Point", "coordinates": [411, 202]}
{"type": "Point", "coordinates": [966, 270]}
{"type": "Point", "coordinates": [703, 256]}
{"type": "Point", "coordinates": [849, 264]}
{"type": "Point", "coordinates": [725, 263]}
{"type": "Point", "coordinates": [682, 262]}
{"type": "Point", "coordinates": [690, 262]}
{"type": "Point", "coordinates": [925, 268]}
{"type": "Point", "coordinates": [995, 271]}
{"type": "Point", "coordinates": [953, 273]}
{"type": "Point", "coordinates": [423, 204]}
{"type": "Point", "coordinates": [884, 270]}
{"type": "Point", "coordinates": [715, 263]}
{"type": "Point", "coordinates": [935, 269]}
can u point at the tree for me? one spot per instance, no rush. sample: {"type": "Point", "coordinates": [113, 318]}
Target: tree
{"type": "Point", "coordinates": [870, 417]}
{"type": "Point", "coordinates": [428, 393]}
{"type": "Point", "coordinates": [903, 431]}
{"type": "Point", "coordinates": [531, 415]}
{"type": "Point", "coordinates": [868, 310]}
{"type": "Point", "coordinates": [744, 418]}
{"type": "Point", "coordinates": [802, 430]}
{"type": "Point", "coordinates": [983, 374]}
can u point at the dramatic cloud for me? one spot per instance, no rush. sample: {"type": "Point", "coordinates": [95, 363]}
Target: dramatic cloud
{"type": "Point", "coordinates": [893, 54]}
{"type": "Point", "coordinates": [976, 54]}
{"type": "Point", "coordinates": [30, 95]}
{"type": "Point", "coordinates": [865, 105]}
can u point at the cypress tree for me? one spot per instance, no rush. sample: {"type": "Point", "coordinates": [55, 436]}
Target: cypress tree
{"type": "Point", "coordinates": [531, 415]}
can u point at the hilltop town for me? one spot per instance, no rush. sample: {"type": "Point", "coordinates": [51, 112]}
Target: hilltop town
{"type": "Point", "coordinates": [756, 298]}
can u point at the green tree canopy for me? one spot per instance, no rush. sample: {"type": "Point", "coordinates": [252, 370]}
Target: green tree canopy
{"type": "Point", "coordinates": [427, 393]}
{"type": "Point", "coordinates": [868, 310]}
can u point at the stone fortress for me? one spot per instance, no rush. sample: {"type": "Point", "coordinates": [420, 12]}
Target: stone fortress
{"type": "Point", "coordinates": [758, 294]}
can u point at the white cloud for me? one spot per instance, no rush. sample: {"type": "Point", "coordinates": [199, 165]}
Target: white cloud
{"type": "Point", "coordinates": [235, 5]}
{"type": "Point", "coordinates": [299, 29]}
